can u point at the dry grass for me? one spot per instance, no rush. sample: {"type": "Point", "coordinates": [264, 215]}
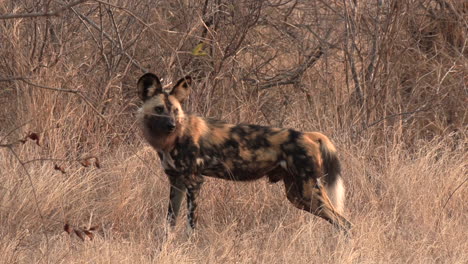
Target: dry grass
{"type": "Point", "coordinates": [401, 129]}
{"type": "Point", "coordinates": [399, 205]}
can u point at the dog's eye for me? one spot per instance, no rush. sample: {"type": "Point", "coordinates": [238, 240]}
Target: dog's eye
{"type": "Point", "coordinates": [159, 110]}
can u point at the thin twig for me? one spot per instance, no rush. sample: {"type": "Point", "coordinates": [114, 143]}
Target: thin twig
{"type": "Point", "coordinates": [43, 14]}
{"type": "Point", "coordinates": [13, 130]}
{"type": "Point", "coordinates": [126, 11]}
{"type": "Point", "coordinates": [395, 115]}
{"type": "Point", "coordinates": [107, 36]}
{"type": "Point", "coordinates": [51, 159]}
{"type": "Point", "coordinates": [454, 191]}
{"type": "Point", "coordinates": [293, 76]}
{"type": "Point", "coordinates": [36, 200]}
{"type": "Point", "coordinates": [13, 78]}
{"type": "Point", "coordinates": [50, 88]}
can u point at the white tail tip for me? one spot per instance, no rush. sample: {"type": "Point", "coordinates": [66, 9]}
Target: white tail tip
{"type": "Point", "coordinates": [336, 193]}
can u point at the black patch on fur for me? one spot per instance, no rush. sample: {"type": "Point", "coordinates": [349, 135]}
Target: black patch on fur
{"type": "Point", "coordinates": [167, 102]}
{"type": "Point", "coordinates": [185, 158]}
{"type": "Point", "coordinates": [215, 123]}
{"type": "Point", "coordinates": [303, 165]}
{"type": "Point", "coordinates": [245, 132]}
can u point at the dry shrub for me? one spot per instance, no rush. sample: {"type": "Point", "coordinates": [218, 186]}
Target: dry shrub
{"type": "Point", "coordinates": [386, 80]}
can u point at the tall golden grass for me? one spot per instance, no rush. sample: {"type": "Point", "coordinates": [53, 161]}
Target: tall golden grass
{"type": "Point", "coordinates": [385, 80]}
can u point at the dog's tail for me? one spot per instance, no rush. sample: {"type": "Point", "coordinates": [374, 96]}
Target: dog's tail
{"type": "Point", "coordinates": [332, 170]}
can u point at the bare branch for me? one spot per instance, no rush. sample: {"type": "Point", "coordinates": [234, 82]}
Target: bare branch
{"type": "Point", "coordinates": [107, 36]}
{"type": "Point", "coordinates": [396, 115]}
{"type": "Point", "coordinates": [11, 131]}
{"type": "Point", "coordinates": [43, 14]}
{"type": "Point", "coordinates": [453, 192]}
{"type": "Point", "coordinates": [293, 76]}
{"type": "Point", "coordinates": [350, 46]}
{"type": "Point", "coordinates": [34, 192]}
{"type": "Point", "coordinates": [49, 88]}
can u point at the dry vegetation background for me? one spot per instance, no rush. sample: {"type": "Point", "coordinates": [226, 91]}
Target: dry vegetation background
{"type": "Point", "coordinates": [386, 80]}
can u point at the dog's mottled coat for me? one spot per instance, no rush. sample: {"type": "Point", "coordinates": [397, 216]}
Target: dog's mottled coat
{"type": "Point", "coordinates": [191, 147]}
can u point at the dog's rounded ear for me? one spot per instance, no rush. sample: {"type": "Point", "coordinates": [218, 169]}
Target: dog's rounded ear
{"type": "Point", "coordinates": [148, 86]}
{"type": "Point", "coordinates": [182, 89]}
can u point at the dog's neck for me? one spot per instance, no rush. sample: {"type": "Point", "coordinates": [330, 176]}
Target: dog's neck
{"type": "Point", "coordinates": [162, 141]}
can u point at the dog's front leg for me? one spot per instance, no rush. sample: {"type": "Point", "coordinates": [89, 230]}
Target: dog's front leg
{"type": "Point", "coordinates": [176, 194]}
{"type": "Point", "coordinates": [193, 186]}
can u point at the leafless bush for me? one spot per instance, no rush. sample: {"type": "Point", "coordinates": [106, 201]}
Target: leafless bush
{"type": "Point", "coordinates": [385, 79]}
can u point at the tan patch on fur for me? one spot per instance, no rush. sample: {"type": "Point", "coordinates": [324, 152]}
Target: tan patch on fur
{"type": "Point", "coordinates": [319, 137]}
{"type": "Point", "coordinates": [182, 91]}
{"type": "Point", "coordinates": [266, 155]}
{"type": "Point", "coordinates": [266, 167]}
{"type": "Point", "coordinates": [228, 164]}
{"type": "Point", "coordinates": [236, 137]}
{"type": "Point", "coordinates": [152, 90]}
{"type": "Point", "coordinates": [148, 107]}
{"type": "Point", "coordinates": [280, 138]}
{"type": "Point", "coordinates": [198, 127]}
{"type": "Point", "coordinates": [253, 134]}
{"type": "Point", "coordinates": [176, 104]}
{"type": "Point", "coordinates": [312, 148]}
{"type": "Point", "coordinates": [245, 154]}
{"type": "Point", "coordinates": [308, 189]}
{"type": "Point", "coordinates": [218, 136]}
{"type": "Point", "coordinates": [199, 161]}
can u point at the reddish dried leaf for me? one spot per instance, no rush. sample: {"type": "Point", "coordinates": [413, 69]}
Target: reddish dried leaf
{"type": "Point", "coordinates": [89, 234]}
{"type": "Point", "coordinates": [115, 140]}
{"type": "Point", "coordinates": [79, 234]}
{"type": "Point", "coordinates": [67, 228]}
{"type": "Point", "coordinates": [97, 163]}
{"type": "Point", "coordinates": [35, 137]}
{"type": "Point", "coordinates": [57, 167]}
{"type": "Point", "coordinates": [94, 228]}
{"type": "Point", "coordinates": [85, 163]}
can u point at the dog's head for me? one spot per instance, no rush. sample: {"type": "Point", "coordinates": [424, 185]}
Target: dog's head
{"type": "Point", "coordinates": [161, 112]}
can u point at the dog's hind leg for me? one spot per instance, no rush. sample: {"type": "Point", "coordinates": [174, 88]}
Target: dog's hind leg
{"type": "Point", "coordinates": [309, 195]}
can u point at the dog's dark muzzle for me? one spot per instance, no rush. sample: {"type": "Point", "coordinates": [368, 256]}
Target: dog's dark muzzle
{"type": "Point", "coordinates": [170, 126]}
{"type": "Point", "coordinates": [161, 124]}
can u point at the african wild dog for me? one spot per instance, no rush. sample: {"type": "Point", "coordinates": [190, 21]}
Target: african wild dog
{"type": "Point", "coordinates": [191, 147]}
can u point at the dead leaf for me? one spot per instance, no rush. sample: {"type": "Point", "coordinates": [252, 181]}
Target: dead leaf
{"type": "Point", "coordinates": [35, 137]}
{"type": "Point", "coordinates": [67, 228]}
{"type": "Point", "coordinates": [85, 162]}
{"type": "Point", "coordinates": [57, 167]}
{"type": "Point", "coordinates": [79, 234]}
{"type": "Point", "coordinates": [97, 163]}
{"type": "Point", "coordinates": [89, 234]}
